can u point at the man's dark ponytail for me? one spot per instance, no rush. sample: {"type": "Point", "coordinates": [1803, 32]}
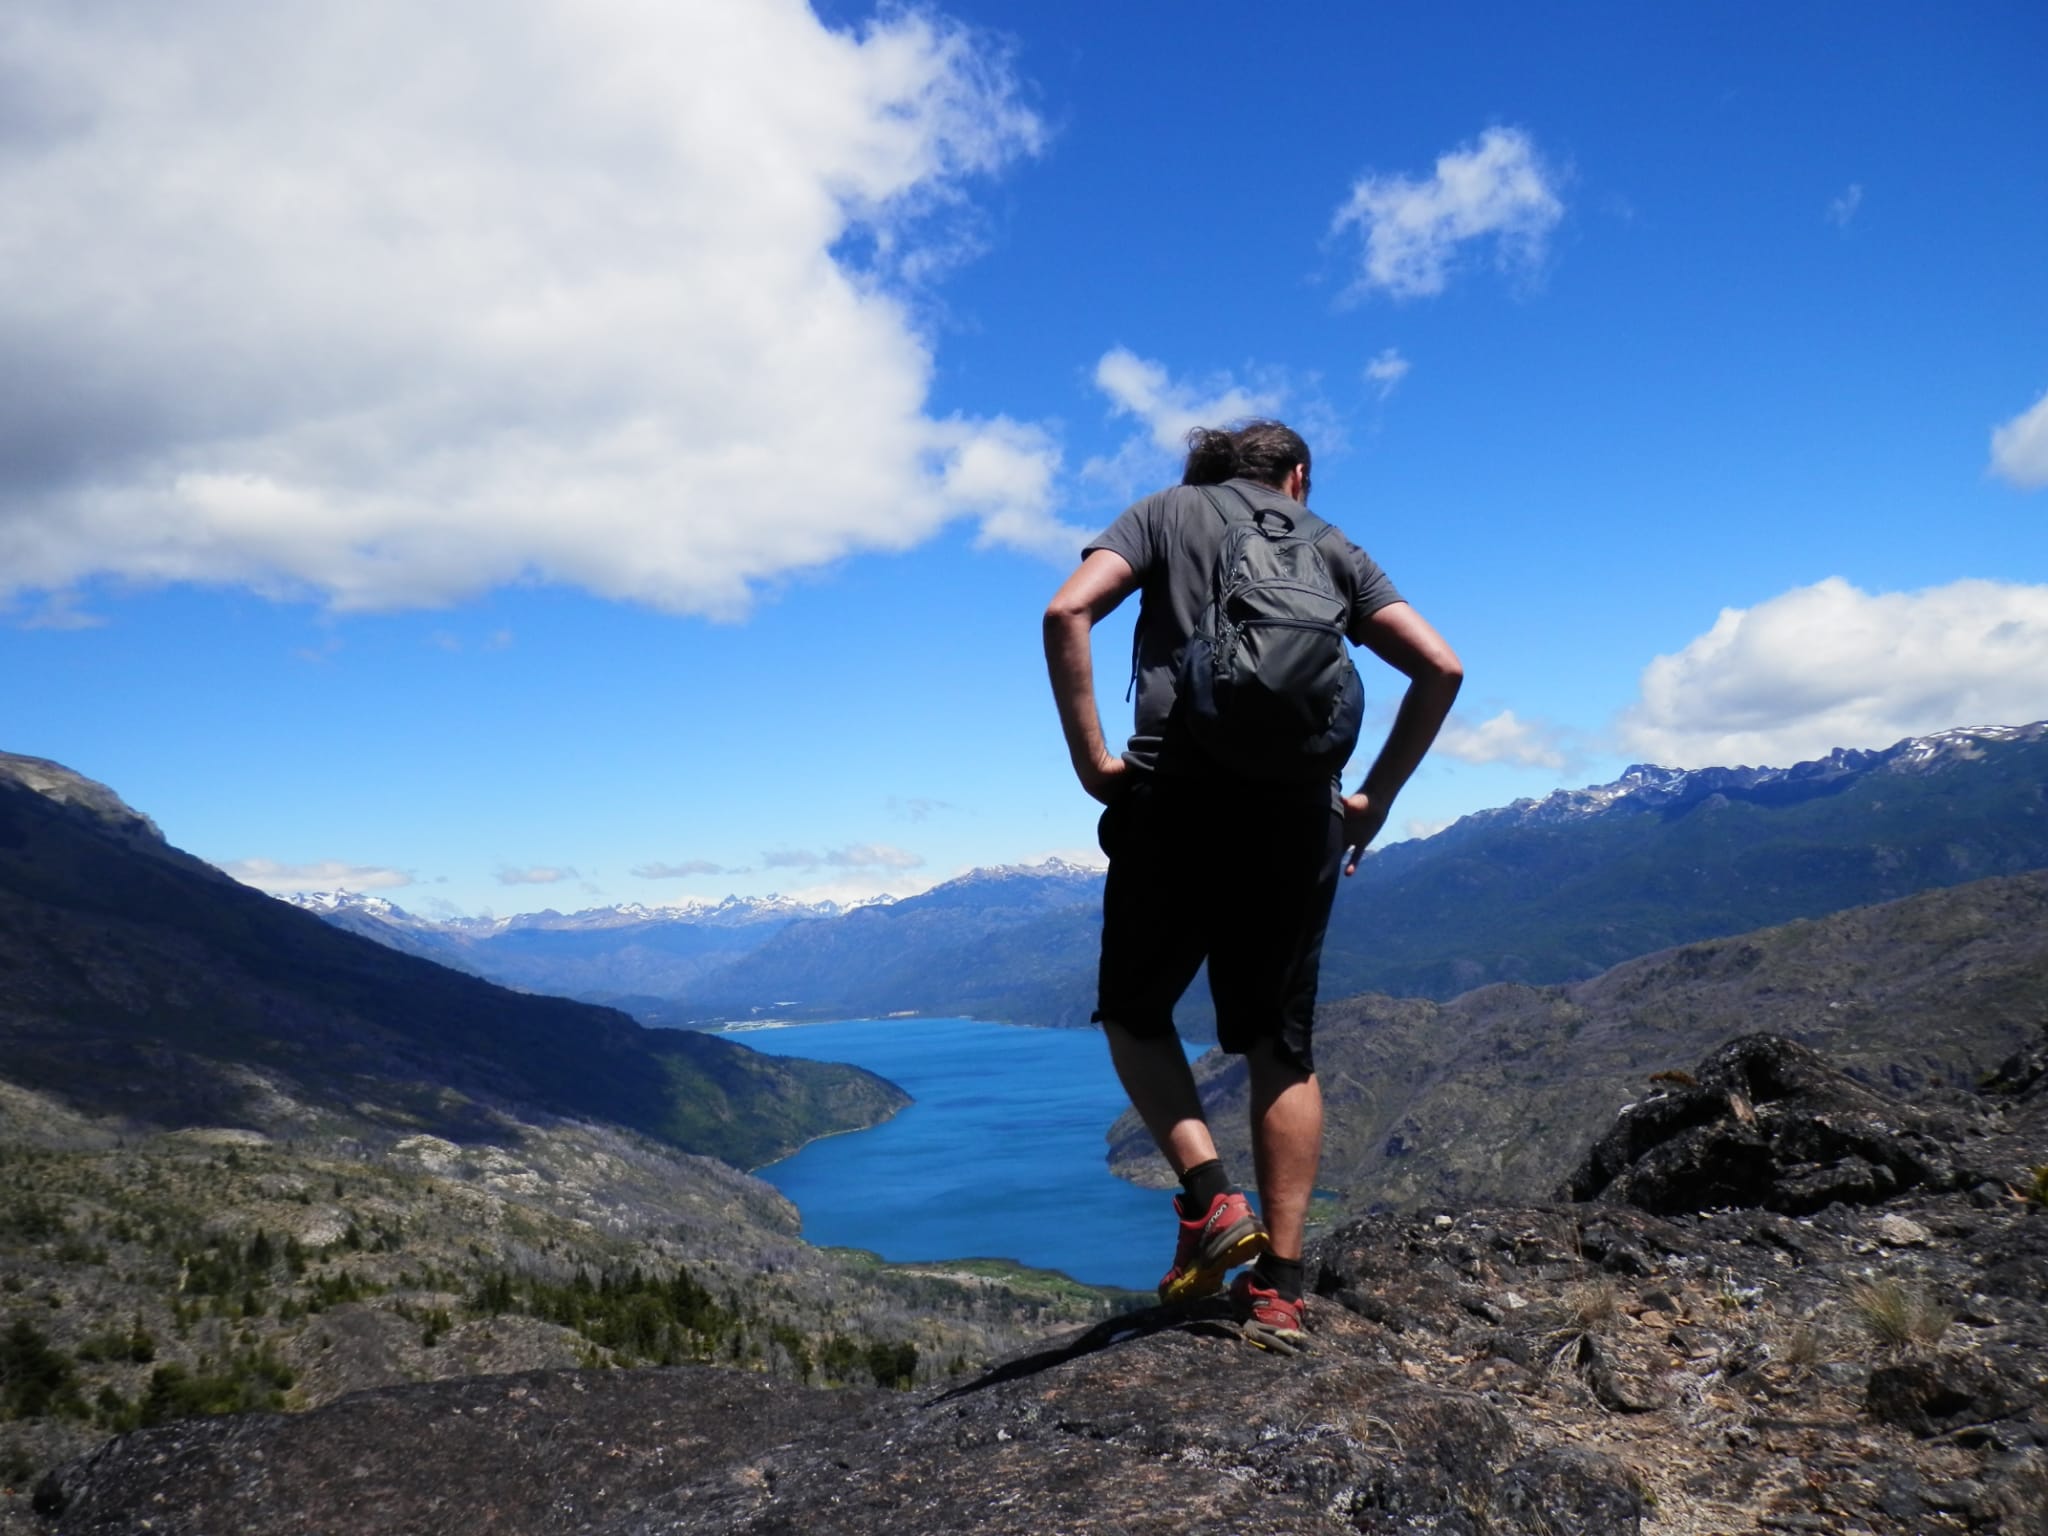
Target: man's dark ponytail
{"type": "Point", "coordinates": [1265, 451]}
{"type": "Point", "coordinates": [1212, 458]}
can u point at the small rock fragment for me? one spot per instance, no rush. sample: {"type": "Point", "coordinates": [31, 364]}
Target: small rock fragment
{"type": "Point", "coordinates": [1902, 1232]}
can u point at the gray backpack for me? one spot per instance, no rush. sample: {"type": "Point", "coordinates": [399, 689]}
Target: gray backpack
{"type": "Point", "coordinates": [1266, 684]}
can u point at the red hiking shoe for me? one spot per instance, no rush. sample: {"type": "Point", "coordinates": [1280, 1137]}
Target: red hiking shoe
{"type": "Point", "coordinates": [1265, 1317]}
{"type": "Point", "coordinates": [1211, 1245]}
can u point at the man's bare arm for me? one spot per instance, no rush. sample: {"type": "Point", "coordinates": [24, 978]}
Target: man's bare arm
{"type": "Point", "coordinates": [1404, 640]}
{"type": "Point", "coordinates": [1102, 581]}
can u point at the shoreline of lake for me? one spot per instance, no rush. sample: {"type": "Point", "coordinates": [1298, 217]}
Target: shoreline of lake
{"type": "Point", "coordinates": [1001, 1155]}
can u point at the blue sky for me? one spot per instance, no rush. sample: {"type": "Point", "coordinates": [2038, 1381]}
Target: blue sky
{"type": "Point", "coordinates": [552, 455]}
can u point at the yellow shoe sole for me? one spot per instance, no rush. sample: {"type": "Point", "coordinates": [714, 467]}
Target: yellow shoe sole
{"type": "Point", "coordinates": [1207, 1279]}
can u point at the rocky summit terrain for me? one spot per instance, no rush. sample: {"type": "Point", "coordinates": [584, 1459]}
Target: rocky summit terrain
{"type": "Point", "coordinates": [1770, 1298]}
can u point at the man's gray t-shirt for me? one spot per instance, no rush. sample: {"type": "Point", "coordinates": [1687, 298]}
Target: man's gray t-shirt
{"type": "Point", "coordinates": [1173, 539]}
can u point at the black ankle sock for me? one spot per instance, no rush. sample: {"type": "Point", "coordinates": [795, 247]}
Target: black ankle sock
{"type": "Point", "coordinates": [1283, 1275]}
{"type": "Point", "coordinates": [1201, 1184]}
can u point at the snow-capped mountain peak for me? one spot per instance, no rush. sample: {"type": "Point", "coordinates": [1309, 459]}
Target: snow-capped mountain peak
{"type": "Point", "coordinates": [360, 903]}
{"type": "Point", "coordinates": [1649, 787]}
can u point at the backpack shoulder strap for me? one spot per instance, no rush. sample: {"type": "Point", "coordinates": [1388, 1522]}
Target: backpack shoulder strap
{"type": "Point", "coordinates": [1305, 524]}
{"type": "Point", "coordinates": [1246, 512]}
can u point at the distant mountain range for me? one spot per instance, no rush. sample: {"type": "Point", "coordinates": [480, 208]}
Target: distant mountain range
{"type": "Point", "coordinates": [748, 956]}
{"type": "Point", "coordinates": [1560, 889]}
{"type": "Point", "coordinates": [605, 954]}
{"type": "Point", "coordinates": [1541, 891]}
{"type": "Point", "coordinates": [136, 980]}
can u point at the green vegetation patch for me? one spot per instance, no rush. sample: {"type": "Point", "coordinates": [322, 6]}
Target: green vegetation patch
{"type": "Point", "coordinates": [1046, 1284]}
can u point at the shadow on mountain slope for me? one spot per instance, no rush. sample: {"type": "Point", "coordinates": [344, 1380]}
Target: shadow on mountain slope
{"type": "Point", "coordinates": [136, 980]}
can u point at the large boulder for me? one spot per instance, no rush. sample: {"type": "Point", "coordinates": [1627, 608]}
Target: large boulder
{"type": "Point", "coordinates": [1768, 1123]}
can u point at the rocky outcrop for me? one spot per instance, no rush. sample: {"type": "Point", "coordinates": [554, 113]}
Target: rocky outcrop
{"type": "Point", "coordinates": [1767, 1122]}
{"type": "Point", "coordinates": [1586, 1366]}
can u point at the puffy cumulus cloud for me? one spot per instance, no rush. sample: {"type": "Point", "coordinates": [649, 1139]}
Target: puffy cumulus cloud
{"type": "Point", "coordinates": [2019, 449]}
{"type": "Point", "coordinates": [1386, 370]}
{"type": "Point", "coordinates": [326, 875]}
{"type": "Point", "coordinates": [1168, 409]}
{"type": "Point", "coordinates": [1830, 666]}
{"type": "Point", "coordinates": [389, 303]}
{"type": "Point", "coordinates": [1497, 189]}
{"type": "Point", "coordinates": [1165, 410]}
{"type": "Point", "coordinates": [1504, 738]}
{"type": "Point", "coordinates": [857, 856]}
{"type": "Point", "coordinates": [683, 871]}
{"type": "Point", "coordinates": [542, 874]}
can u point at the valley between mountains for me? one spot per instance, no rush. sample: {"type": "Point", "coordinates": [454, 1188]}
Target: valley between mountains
{"type": "Point", "coordinates": [1686, 1147]}
{"type": "Point", "coordinates": [1540, 892]}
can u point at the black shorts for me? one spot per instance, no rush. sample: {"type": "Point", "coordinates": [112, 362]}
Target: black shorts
{"type": "Point", "coordinates": [1237, 874]}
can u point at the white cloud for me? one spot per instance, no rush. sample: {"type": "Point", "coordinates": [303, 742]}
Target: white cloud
{"type": "Point", "coordinates": [455, 645]}
{"type": "Point", "coordinates": [1843, 209]}
{"type": "Point", "coordinates": [59, 610]}
{"type": "Point", "coordinates": [389, 303]}
{"type": "Point", "coordinates": [857, 856]}
{"type": "Point", "coordinates": [1417, 827]}
{"type": "Point", "coordinates": [326, 875]}
{"type": "Point", "coordinates": [1498, 188]}
{"type": "Point", "coordinates": [538, 875]}
{"type": "Point", "coordinates": [684, 870]}
{"type": "Point", "coordinates": [1830, 666]}
{"type": "Point", "coordinates": [2019, 449]}
{"type": "Point", "coordinates": [916, 807]}
{"type": "Point", "coordinates": [1504, 738]}
{"type": "Point", "coordinates": [1166, 410]}
{"type": "Point", "coordinates": [1386, 370]}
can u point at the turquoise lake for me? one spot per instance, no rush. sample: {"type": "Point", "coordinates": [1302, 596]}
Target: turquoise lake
{"type": "Point", "coordinates": [1000, 1157]}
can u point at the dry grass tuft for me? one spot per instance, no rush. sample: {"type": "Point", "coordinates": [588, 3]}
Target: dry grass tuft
{"type": "Point", "coordinates": [1897, 1315]}
{"type": "Point", "coordinates": [1592, 1304]}
{"type": "Point", "coordinates": [1802, 1349]}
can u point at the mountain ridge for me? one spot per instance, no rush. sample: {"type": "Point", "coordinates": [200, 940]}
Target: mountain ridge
{"type": "Point", "coordinates": [1540, 891]}
{"type": "Point", "coordinates": [139, 980]}
{"type": "Point", "coordinates": [1649, 786]}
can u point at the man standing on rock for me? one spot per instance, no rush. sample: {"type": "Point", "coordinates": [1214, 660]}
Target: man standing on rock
{"type": "Point", "coordinates": [1226, 826]}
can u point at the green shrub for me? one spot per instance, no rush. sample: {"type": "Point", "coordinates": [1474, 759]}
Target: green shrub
{"type": "Point", "coordinates": [892, 1365]}
{"type": "Point", "coordinates": [249, 1381]}
{"type": "Point", "coordinates": [33, 1221]}
{"type": "Point", "coordinates": [634, 1316]}
{"type": "Point", "coordinates": [35, 1379]}
{"type": "Point", "coordinates": [133, 1345]}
